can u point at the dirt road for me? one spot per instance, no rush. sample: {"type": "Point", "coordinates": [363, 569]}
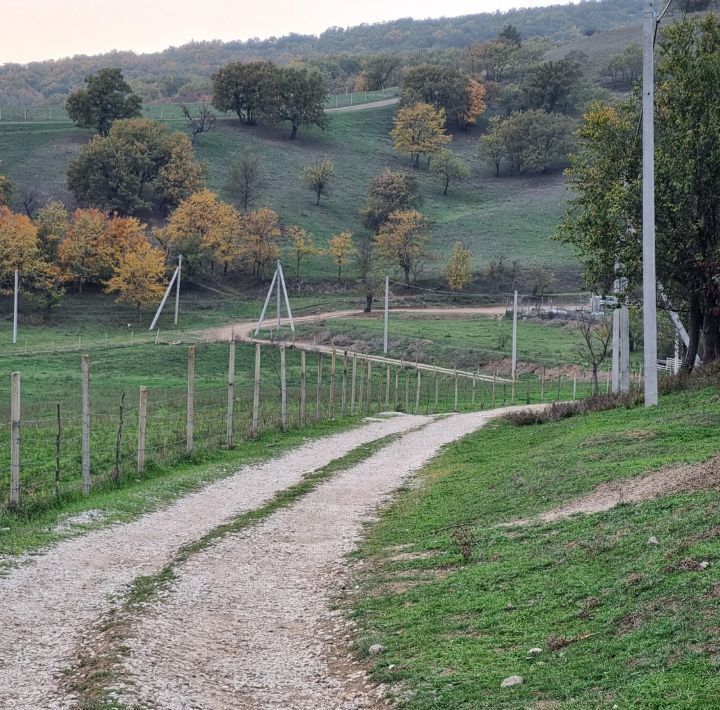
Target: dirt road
{"type": "Point", "coordinates": [246, 622]}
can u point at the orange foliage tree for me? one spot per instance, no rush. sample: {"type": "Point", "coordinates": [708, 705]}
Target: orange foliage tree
{"type": "Point", "coordinates": [419, 130]}
{"type": "Point", "coordinates": [259, 235]}
{"type": "Point", "coordinates": [139, 275]}
{"type": "Point", "coordinates": [401, 241]}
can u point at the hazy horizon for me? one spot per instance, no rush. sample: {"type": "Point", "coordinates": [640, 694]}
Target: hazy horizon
{"type": "Point", "coordinates": [39, 30]}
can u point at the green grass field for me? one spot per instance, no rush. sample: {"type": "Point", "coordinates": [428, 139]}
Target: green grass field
{"type": "Point", "coordinates": [466, 342]}
{"type": "Point", "coordinates": [621, 623]}
{"type": "Point", "coordinates": [509, 216]}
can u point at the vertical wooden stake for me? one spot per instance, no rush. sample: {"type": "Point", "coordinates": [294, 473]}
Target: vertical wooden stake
{"type": "Point", "coordinates": [474, 387]}
{"type": "Point", "coordinates": [437, 391]}
{"type": "Point", "coordinates": [15, 440]}
{"type": "Point", "coordinates": [397, 388]}
{"type": "Point", "coordinates": [455, 408]}
{"type": "Point", "coordinates": [331, 394]}
{"type": "Point", "coordinates": [255, 426]}
{"type": "Point", "coordinates": [303, 394]}
{"type": "Point", "coordinates": [352, 385]}
{"type": "Point", "coordinates": [574, 387]}
{"type": "Point", "coordinates": [494, 385]}
{"type": "Point", "coordinates": [343, 389]}
{"type": "Point", "coordinates": [142, 429]}
{"type": "Point", "coordinates": [361, 390]}
{"type": "Point", "coordinates": [407, 392]}
{"type": "Point", "coordinates": [318, 392]}
{"type": "Point", "coordinates": [85, 364]}
{"type": "Point", "coordinates": [387, 388]}
{"type": "Point", "coordinates": [230, 422]}
{"type": "Point", "coordinates": [542, 385]}
{"type": "Point", "coordinates": [58, 441]}
{"type": "Point", "coordinates": [190, 400]}
{"type": "Point", "coordinates": [558, 389]}
{"type": "Point", "coordinates": [417, 392]}
{"type": "Point", "coordinates": [369, 387]}
{"type": "Point", "coordinates": [283, 391]}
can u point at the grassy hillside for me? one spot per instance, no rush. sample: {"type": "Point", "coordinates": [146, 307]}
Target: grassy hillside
{"type": "Point", "coordinates": [620, 623]}
{"type": "Point", "coordinates": [510, 216]}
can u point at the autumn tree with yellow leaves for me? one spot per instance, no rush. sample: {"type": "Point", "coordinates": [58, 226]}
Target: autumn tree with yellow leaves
{"type": "Point", "coordinates": [302, 244]}
{"type": "Point", "coordinates": [18, 247]}
{"type": "Point", "coordinates": [341, 249]}
{"type": "Point", "coordinates": [401, 241]}
{"type": "Point", "coordinates": [203, 225]}
{"type": "Point", "coordinates": [259, 236]}
{"type": "Point", "coordinates": [457, 269]}
{"type": "Point", "coordinates": [139, 275]}
{"type": "Point", "coordinates": [420, 131]}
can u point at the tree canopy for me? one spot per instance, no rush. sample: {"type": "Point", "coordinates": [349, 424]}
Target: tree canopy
{"type": "Point", "coordinates": [106, 98]}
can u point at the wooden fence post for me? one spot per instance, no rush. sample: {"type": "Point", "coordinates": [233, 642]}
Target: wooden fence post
{"type": "Point", "coordinates": [190, 399]}
{"type": "Point", "coordinates": [331, 393]}
{"type": "Point", "coordinates": [417, 392]}
{"type": "Point", "coordinates": [574, 386]}
{"type": "Point", "coordinates": [494, 385]}
{"type": "Point", "coordinates": [352, 384]}
{"type": "Point", "coordinates": [14, 439]}
{"type": "Point", "coordinates": [85, 364]}
{"type": "Point", "coordinates": [231, 395]}
{"type": "Point", "coordinates": [303, 395]}
{"type": "Point", "coordinates": [361, 388]}
{"type": "Point", "coordinates": [407, 392]}
{"type": "Point", "coordinates": [397, 387]}
{"type": "Point", "coordinates": [283, 391]}
{"type": "Point", "coordinates": [455, 408]}
{"type": "Point", "coordinates": [343, 390]}
{"type": "Point", "coordinates": [387, 388]}
{"type": "Point", "coordinates": [255, 426]}
{"type": "Point", "coordinates": [369, 387]}
{"type": "Point", "coordinates": [437, 391]}
{"type": "Point", "coordinates": [542, 385]}
{"type": "Point", "coordinates": [142, 428]}
{"type": "Point", "coordinates": [318, 390]}
{"type": "Point", "coordinates": [474, 387]}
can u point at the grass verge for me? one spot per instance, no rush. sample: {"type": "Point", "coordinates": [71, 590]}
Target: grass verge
{"type": "Point", "coordinates": [621, 622]}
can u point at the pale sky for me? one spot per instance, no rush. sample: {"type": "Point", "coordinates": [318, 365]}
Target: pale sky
{"type": "Point", "coordinates": [49, 29]}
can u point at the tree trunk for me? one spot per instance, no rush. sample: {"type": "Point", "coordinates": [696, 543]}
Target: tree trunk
{"type": "Point", "coordinates": [368, 302]}
{"type": "Point", "coordinates": [595, 383]}
{"type": "Point", "coordinates": [694, 327]}
{"type": "Point", "coordinates": [497, 169]}
{"type": "Point", "coordinates": [447, 184]}
{"type": "Point", "coordinates": [293, 133]}
{"type": "Point", "coordinates": [319, 192]}
{"type": "Point", "coordinates": [711, 339]}
{"type": "Point", "coordinates": [406, 269]}
{"type": "Point", "coordinates": [339, 271]}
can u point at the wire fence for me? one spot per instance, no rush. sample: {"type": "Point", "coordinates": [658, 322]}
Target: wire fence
{"type": "Point", "coordinates": [97, 437]}
{"type": "Point", "coordinates": [172, 112]}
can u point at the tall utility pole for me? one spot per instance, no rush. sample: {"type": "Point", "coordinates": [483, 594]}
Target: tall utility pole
{"type": "Point", "coordinates": [648, 208]}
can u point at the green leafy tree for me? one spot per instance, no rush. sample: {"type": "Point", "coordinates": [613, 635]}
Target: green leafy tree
{"type": "Point", "coordinates": [390, 191]}
{"type": "Point", "coordinates": [451, 168]}
{"type": "Point", "coordinates": [549, 86]}
{"type": "Point", "coordinates": [379, 69]}
{"type": "Point", "coordinates": [246, 88]}
{"type": "Point", "coordinates": [527, 141]}
{"type": "Point", "coordinates": [318, 176]}
{"type": "Point", "coordinates": [604, 221]}
{"type": "Point", "coordinates": [141, 164]}
{"type": "Point", "coordinates": [461, 97]}
{"type": "Point", "coordinates": [301, 97]}
{"type": "Point", "coordinates": [6, 190]}
{"type": "Point", "coordinates": [106, 98]}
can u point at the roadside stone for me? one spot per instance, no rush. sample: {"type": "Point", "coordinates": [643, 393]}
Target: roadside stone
{"type": "Point", "coordinates": [375, 649]}
{"type": "Point", "coordinates": [652, 540]}
{"type": "Point", "coordinates": [534, 652]}
{"type": "Point", "coordinates": [511, 681]}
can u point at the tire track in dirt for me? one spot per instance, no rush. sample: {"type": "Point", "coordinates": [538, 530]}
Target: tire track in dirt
{"type": "Point", "coordinates": [51, 600]}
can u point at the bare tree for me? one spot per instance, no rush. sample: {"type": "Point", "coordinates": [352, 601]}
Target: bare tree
{"type": "Point", "coordinates": [367, 266]}
{"type": "Point", "coordinates": [595, 346]}
{"type": "Point", "coordinates": [29, 200]}
{"type": "Point", "coordinates": [247, 179]}
{"type": "Point", "coordinates": [201, 122]}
